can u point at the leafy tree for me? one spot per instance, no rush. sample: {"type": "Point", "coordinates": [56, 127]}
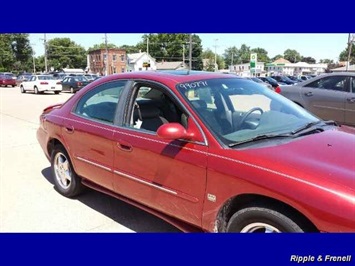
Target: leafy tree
{"type": "Point", "coordinates": [16, 52]}
{"type": "Point", "coordinates": [231, 56]}
{"type": "Point", "coordinates": [63, 52]}
{"type": "Point", "coordinates": [276, 57]}
{"type": "Point", "coordinates": [326, 61]}
{"type": "Point", "coordinates": [344, 54]}
{"type": "Point", "coordinates": [210, 58]}
{"type": "Point", "coordinates": [173, 47]}
{"type": "Point", "coordinates": [292, 55]}
{"type": "Point", "coordinates": [244, 53]}
{"type": "Point", "coordinates": [130, 49]}
{"type": "Point", "coordinates": [262, 54]}
{"type": "Point", "coordinates": [102, 46]}
{"type": "Point", "coordinates": [308, 59]}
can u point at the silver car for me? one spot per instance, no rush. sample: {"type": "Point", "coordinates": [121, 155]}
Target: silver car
{"type": "Point", "coordinates": [329, 96]}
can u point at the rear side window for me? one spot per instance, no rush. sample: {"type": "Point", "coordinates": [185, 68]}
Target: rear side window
{"type": "Point", "coordinates": [100, 103]}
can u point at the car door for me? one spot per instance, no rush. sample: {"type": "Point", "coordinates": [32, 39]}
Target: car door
{"type": "Point", "coordinates": [88, 132]}
{"type": "Point", "coordinates": [29, 85]}
{"type": "Point", "coordinates": [350, 104]}
{"type": "Point", "coordinates": [65, 84]}
{"type": "Point", "coordinates": [169, 176]}
{"type": "Point", "coordinates": [325, 97]}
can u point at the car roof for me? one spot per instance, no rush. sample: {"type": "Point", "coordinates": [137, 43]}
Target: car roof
{"type": "Point", "coordinates": [177, 76]}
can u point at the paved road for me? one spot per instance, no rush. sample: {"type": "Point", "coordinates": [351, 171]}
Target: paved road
{"type": "Point", "coordinates": [28, 200]}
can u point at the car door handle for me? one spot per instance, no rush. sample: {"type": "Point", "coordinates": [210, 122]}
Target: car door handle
{"type": "Point", "coordinates": [69, 129]}
{"type": "Point", "coordinates": [351, 100]}
{"type": "Point", "coordinates": [309, 93]}
{"type": "Point", "coordinates": [124, 145]}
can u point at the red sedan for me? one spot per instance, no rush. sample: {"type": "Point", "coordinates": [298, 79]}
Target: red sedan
{"type": "Point", "coordinates": [7, 81]}
{"type": "Point", "coordinates": [204, 151]}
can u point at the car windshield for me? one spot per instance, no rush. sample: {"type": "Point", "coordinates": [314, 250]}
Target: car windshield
{"type": "Point", "coordinates": [236, 109]}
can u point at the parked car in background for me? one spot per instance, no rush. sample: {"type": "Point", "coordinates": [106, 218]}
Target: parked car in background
{"type": "Point", "coordinates": [295, 78]}
{"type": "Point", "coordinates": [59, 75]}
{"type": "Point", "coordinates": [257, 80]}
{"type": "Point", "coordinates": [10, 74]}
{"type": "Point", "coordinates": [91, 77]}
{"type": "Point", "coordinates": [206, 152]}
{"type": "Point", "coordinates": [6, 80]}
{"type": "Point", "coordinates": [40, 84]}
{"type": "Point", "coordinates": [272, 82]}
{"type": "Point", "coordinates": [74, 83]}
{"type": "Point", "coordinates": [284, 79]}
{"type": "Point", "coordinates": [329, 96]}
{"type": "Point", "coordinates": [21, 78]}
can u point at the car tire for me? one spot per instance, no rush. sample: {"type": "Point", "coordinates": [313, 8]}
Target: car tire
{"type": "Point", "coordinates": [260, 219]}
{"type": "Point", "coordinates": [13, 86]}
{"type": "Point", "coordinates": [66, 181]}
{"type": "Point", "coordinates": [72, 90]}
{"type": "Point", "coordinates": [56, 92]}
{"type": "Point", "coordinates": [36, 90]}
{"type": "Point", "coordinates": [22, 89]}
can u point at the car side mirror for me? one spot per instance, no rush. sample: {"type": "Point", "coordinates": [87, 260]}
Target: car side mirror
{"type": "Point", "coordinates": [173, 131]}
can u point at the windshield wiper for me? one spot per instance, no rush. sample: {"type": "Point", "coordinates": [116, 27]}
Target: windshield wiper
{"type": "Point", "coordinates": [311, 124]}
{"type": "Point", "coordinates": [260, 137]}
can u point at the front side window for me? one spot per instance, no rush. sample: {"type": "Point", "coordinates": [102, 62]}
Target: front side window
{"type": "Point", "coordinates": [236, 109]}
{"type": "Point", "coordinates": [153, 107]}
{"type": "Point", "coordinates": [100, 103]}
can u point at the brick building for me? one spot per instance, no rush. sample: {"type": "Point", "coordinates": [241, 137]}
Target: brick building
{"type": "Point", "coordinates": [117, 60]}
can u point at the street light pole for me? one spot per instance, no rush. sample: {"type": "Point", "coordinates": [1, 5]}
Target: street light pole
{"type": "Point", "coordinates": [215, 55]}
{"type": "Point", "coordinates": [190, 53]}
{"type": "Point", "coordinates": [45, 53]}
{"type": "Point", "coordinates": [350, 45]}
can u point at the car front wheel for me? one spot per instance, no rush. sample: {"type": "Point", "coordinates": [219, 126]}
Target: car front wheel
{"type": "Point", "coordinates": [66, 180]}
{"type": "Point", "coordinates": [22, 89]}
{"type": "Point", "coordinates": [262, 220]}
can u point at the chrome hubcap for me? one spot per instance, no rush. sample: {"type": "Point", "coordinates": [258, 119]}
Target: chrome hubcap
{"type": "Point", "coordinates": [62, 170]}
{"type": "Point", "coordinates": [260, 228]}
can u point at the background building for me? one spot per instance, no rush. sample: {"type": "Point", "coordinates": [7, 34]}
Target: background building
{"type": "Point", "coordinates": [140, 62]}
{"type": "Point", "coordinates": [116, 62]}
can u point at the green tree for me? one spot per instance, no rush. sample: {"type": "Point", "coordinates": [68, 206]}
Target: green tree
{"type": "Point", "coordinates": [326, 61]}
{"type": "Point", "coordinates": [344, 54]}
{"type": "Point", "coordinates": [209, 56]}
{"type": "Point", "coordinates": [262, 54]}
{"type": "Point", "coordinates": [173, 47]}
{"type": "Point", "coordinates": [102, 46]}
{"type": "Point", "coordinates": [308, 59]}
{"type": "Point", "coordinates": [292, 55]}
{"type": "Point", "coordinates": [276, 57]}
{"type": "Point", "coordinates": [231, 56]}
{"type": "Point", "coordinates": [15, 52]}
{"type": "Point", "coordinates": [244, 53]}
{"type": "Point", "coordinates": [130, 49]}
{"type": "Point", "coordinates": [63, 52]}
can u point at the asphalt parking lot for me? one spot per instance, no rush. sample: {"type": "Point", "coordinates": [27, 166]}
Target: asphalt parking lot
{"type": "Point", "coordinates": [28, 200]}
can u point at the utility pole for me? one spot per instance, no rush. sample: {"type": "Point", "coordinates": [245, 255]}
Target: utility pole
{"type": "Point", "coordinates": [106, 63]}
{"type": "Point", "coordinates": [190, 53]}
{"type": "Point", "coordinates": [45, 53]}
{"type": "Point", "coordinates": [183, 53]}
{"type": "Point", "coordinates": [215, 55]}
{"type": "Point", "coordinates": [147, 45]}
{"type": "Point", "coordinates": [232, 62]}
{"type": "Point", "coordinates": [350, 45]}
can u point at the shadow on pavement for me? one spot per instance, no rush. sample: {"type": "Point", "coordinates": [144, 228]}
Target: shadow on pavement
{"type": "Point", "coordinates": [119, 211]}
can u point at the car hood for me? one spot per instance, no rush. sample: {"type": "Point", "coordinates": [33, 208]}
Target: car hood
{"type": "Point", "coordinates": [328, 156]}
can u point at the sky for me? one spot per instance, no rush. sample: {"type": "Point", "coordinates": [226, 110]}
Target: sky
{"type": "Point", "coordinates": [318, 46]}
